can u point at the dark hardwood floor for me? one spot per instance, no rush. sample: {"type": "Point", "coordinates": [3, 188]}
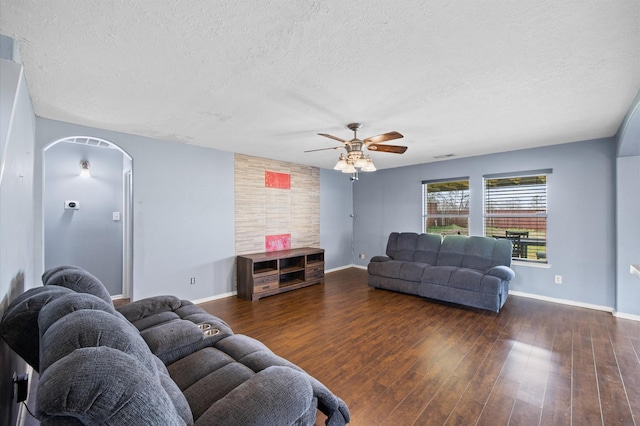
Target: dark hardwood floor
{"type": "Point", "coordinates": [397, 359]}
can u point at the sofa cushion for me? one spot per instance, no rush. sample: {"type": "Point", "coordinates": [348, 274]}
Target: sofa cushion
{"type": "Point", "coordinates": [188, 370]}
{"type": "Point", "coordinates": [19, 326]}
{"type": "Point", "coordinates": [427, 248]}
{"type": "Point", "coordinates": [278, 395]}
{"type": "Point", "coordinates": [155, 320]}
{"type": "Point", "coordinates": [171, 336]}
{"type": "Point", "coordinates": [412, 271]}
{"type": "Point", "coordinates": [406, 245]}
{"type": "Point", "coordinates": [89, 328]}
{"type": "Point", "coordinates": [215, 386]}
{"type": "Point", "coordinates": [79, 281]}
{"type": "Point", "coordinates": [452, 250]}
{"type": "Point", "coordinates": [178, 399]}
{"type": "Point", "coordinates": [103, 385]}
{"type": "Point", "coordinates": [478, 253]}
{"type": "Point", "coordinates": [392, 244]}
{"type": "Point", "coordinates": [49, 272]}
{"type": "Point", "coordinates": [174, 330]}
{"type": "Point", "coordinates": [408, 271]}
{"type": "Point", "coordinates": [72, 302]}
{"type": "Point", "coordinates": [462, 278]}
{"type": "Point", "coordinates": [466, 279]}
{"type": "Point", "coordinates": [502, 252]}
{"type": "Point", "coordinates": [438, 274]}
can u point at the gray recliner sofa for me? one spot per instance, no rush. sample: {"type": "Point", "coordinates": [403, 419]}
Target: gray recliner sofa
{"type": "Point", "coordinates": [157, 361]}
{"type": "Point", "coordinates": [472, 271]}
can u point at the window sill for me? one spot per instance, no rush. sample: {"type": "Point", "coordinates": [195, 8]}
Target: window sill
{"type": "Point", "coordinates": [531, 264]}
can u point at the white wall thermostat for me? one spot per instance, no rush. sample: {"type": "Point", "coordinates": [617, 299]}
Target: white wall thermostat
{"type": "Point", "coordinates": [71, 205]}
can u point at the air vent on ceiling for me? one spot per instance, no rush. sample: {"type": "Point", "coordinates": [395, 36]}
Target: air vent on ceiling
{"type": "Point", "coordinates": [89, 141]}
{"type": "Point", "coordinates": [444, 156]}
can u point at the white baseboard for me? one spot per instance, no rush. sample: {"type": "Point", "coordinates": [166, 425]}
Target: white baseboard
{"type": "Point", "coordinates": [339, 268]}
{"type": "Point", "coordinates": [216, 297]}
{"type": "Point", "coordinates": [631, 317]}
{"type": "Point", "coordinates": [562, 301]}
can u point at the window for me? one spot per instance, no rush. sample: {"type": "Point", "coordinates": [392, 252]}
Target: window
{"type": "Point", "coordinates": [515, 207]}
{"type": "Point", "coordinates": [445, 206]}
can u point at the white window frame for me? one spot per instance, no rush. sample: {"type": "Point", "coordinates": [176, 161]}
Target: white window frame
{"type": "Point", "coordinates": [425, 214]}
{"type": "Point", "coordinates": [533, 239]}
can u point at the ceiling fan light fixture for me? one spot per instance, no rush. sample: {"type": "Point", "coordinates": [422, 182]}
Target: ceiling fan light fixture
{"type": "Point", "coordinates": [355, 160]}
{"type": "Point", "coordinates": [369, 167]}
{"type": "Point", "coordinates": [360, 162]}
{"type": "Point", "coordinates": [349, 169]}
{"type": "Point", "coordinates": [341, 164]}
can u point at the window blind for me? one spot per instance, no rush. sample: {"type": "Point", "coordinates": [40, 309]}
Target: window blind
{"type": "Point", "coordinates": [516, 208]}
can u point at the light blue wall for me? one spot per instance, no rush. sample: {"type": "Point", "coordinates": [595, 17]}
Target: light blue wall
{"type": "Point", "coordinates": [581, 204]}
{"type": "Point", "coordinates": [87, 237]}
{"type": "Point", "coordinates": [17, 128]}
{"type": "Point", "coordinates": [16, 177]}
{"type": "Point", "coordinates": [336, 224]}
{"type": "Point", "coordinates": [183, 223]}
{"type": "Point", "coordinates": [628, 232]}
{"type": "Point", "coordinates": [628, 211]}
{"type": "Point", "coordinates": [184, 213]}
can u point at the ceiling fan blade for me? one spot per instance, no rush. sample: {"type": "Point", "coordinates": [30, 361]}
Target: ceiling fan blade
{"type": "Point", "coordinates": [395, 149]}
{"type": "Point", "coordinates": [332, 137]}
{"type": "Point", "coordinates": [389, 136]}
{"type": "Point", "coordinates": [324, 149]}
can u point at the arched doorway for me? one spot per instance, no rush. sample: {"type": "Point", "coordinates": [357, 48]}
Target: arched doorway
{"type": "Point", "coordinates": [87, 209]}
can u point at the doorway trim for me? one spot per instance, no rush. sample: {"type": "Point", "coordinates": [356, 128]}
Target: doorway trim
{"type": "Point", "coordinates": [127, 216]}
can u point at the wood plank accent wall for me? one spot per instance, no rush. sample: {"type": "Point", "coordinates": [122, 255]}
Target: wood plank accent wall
{"type": "Point", "coordinates": [262, 211]}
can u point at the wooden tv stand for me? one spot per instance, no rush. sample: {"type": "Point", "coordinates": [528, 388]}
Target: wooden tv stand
{"type": "Point", "coordinates": [269, 273]}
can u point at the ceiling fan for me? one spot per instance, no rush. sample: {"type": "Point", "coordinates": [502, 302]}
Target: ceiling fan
{"type": "Point", "coordinates": [355, 158]}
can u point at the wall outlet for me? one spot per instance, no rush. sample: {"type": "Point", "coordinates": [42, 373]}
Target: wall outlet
{"type": "Point", "coordinates": [558, 279]}
{"type": "Point", "coordinates": [362, 256]}
{"type": "Point", "coordinates": [20, 386]}
{"type": "Point", "coordinates": [192, 280]}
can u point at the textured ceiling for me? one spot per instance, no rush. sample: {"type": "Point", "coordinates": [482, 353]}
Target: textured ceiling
{"type": "Point", "coordinates": [264, 77]}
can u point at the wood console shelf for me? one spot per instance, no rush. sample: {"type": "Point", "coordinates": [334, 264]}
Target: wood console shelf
{"type": "Point", "coordinates": [269, 273]}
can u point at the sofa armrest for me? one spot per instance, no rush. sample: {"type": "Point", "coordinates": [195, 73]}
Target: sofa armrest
{"type": "Point", "coordinates": [143, 308]}
{"type": "Point", "coordinates": [380, 259]}
{"type": "Point", "coordinates": [502, 272]}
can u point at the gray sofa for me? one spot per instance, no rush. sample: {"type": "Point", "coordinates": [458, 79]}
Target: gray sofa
{"type": "Point", "coordinates": [157, 361]}
{"type": "Point", "coordinates": [472, 271]}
